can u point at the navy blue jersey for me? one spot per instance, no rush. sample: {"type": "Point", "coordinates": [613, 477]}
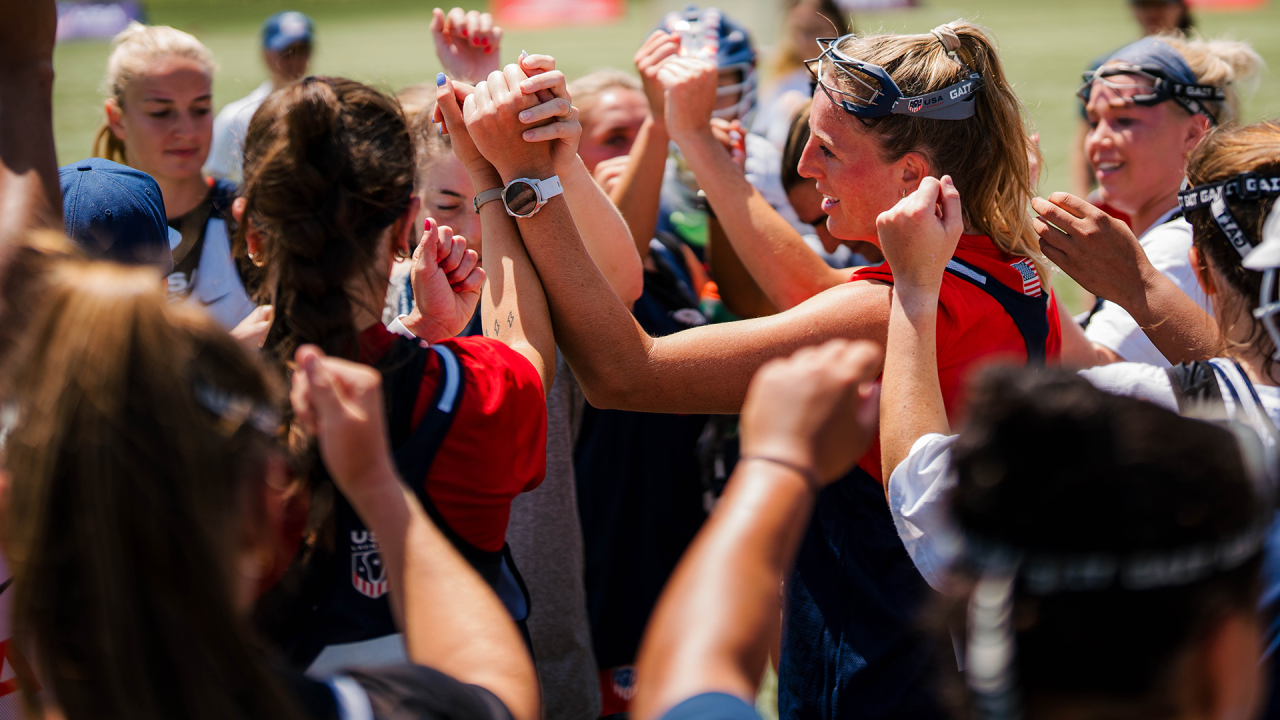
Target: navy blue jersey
{"type": "Point", "coordinates": [639, 487]}
{"type": "Point", "coordinates": [852, 646]}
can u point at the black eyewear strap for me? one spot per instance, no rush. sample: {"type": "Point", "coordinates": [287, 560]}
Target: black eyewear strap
{"type": "Point", "coordinates": [1191, 97]}
{"type": "Point", "coordinates": [1248, 187]}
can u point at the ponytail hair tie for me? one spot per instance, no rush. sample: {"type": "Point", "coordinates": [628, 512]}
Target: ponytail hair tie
{"type": "Point", "coordinates": [948, 37]}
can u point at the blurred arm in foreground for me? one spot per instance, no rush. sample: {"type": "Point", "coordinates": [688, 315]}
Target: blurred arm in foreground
{"type": "Point", "coordinates": [805, 421]}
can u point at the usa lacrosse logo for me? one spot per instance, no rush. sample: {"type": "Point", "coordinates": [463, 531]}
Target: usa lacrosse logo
{"type": "Point", "coordinates": [368, 574]}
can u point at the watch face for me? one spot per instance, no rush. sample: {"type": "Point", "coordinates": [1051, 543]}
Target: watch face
{"type": "Point", "coordinates": [521, 198]}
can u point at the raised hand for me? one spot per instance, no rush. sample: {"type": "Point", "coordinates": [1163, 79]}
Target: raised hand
{"type": "Point", "coordinates": [1096, 250]}
{"type": "Point", "coordinates": [467, 43]}
{"type": "Point", "coordinates": [450, 96]}
{"type": "Point", "coordinates": [733, 137]}
{"type": "Point", "coordinates": [609, 172]}
{"type": "Point", "coordinates": [920, 233]}
{"type": "Point", "coordinates": [252, 331]}
{"type": "Point", "coordinates": [690, 95]}
{"type": "Point", "coordinates": [27, 33]}
{"type": "Point", "coordinates": [657, 47]}
{"type": "Point", "coordinates": [340, 404]}
{"type": "Point", "coordinates": [492, 118]}
{"type": "Point", "coordinates": [816, 410]}
{"type": "Point", "coordinates": [551, 89]}
{"type": "Point", "coordinates": [446, 279]}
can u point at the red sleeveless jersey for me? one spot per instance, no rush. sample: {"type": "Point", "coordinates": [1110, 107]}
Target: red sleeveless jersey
{"type": "Point", "coordinates": [974, 329]}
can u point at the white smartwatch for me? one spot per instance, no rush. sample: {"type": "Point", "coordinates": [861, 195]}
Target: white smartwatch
{"type": "Point", "coordinates": [524, 197]}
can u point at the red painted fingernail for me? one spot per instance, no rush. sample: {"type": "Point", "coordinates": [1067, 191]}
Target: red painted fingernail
{"type": "Point", "coordinates": [488, 50]}
{"type": "Point", "coordinates": [464, 32]}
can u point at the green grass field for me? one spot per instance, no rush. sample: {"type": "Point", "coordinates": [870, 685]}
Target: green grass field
{"type": "Point", "coordinates": [1044, 45]}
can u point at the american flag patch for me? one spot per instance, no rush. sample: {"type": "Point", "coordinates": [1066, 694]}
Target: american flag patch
{"type": "Point", "coordinates": [1030, 278]}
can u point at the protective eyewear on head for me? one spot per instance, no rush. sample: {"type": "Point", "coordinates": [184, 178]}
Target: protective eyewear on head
{"type": "Point", "coordinates": [1149, 87]}
{"type": "Point", "coordinates": [877, 95]}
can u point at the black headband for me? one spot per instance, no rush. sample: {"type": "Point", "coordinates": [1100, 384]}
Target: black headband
{"type": "Point", "coordinates": [1248, 187]}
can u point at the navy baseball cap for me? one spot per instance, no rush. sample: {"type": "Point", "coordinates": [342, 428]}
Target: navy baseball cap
{"type": "Point", "coordinates": [286, 28]}
{"type": "Point", "coordinates": [116, 213]}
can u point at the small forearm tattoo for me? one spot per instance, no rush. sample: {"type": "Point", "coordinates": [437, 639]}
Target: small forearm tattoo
{"type": "Point", "coordinates": [511, 318]}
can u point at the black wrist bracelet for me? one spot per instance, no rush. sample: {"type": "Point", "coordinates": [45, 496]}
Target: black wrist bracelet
{"type": "Point", "coordinates": [810, 477]}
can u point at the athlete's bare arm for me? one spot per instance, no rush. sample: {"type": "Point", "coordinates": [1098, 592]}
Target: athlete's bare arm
{"type": "Point", "coordinates": [918, 244]}
{"type": "Point", "coordinates": [700, 370]}
{"type": "Point", "coordinates": [638, 192]}
{"type": "Point", "coordinates": [512, 305]}
{"type": "Point", "coordinates": [29, 192]}
{"type": "Point", "coordinates": [787, 270]}
{"type": "Point", "coordinates": [1102, 254]}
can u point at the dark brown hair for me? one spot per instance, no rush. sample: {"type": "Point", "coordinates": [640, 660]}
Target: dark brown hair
{"type": "Point", "coordinates": [1222, 155]}
{"type": "Point", "coordinates": [328, 167]}
{"type": "Point", "coordinates": [1127, 478]}
{"type": "Point", "coordinates": [797, 138]}
{"type": "Point", "coordinates": [127, 506]}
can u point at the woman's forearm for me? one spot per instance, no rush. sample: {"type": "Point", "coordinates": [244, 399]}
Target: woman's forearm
{"type": "Point", "coordinates": [604, 232]}
{"type": "Point", "coordinates": [710, 631]}
{"type": "Point", "coordinates": [513, 307]}
{"type": "Point", "coordinates": [638, 193]}
{"type": "Point", "coordinates": [1179, 328]}
{"type": "Point", "coordinates": [739, 291]}
{"type": "Point", "coordinates": [787, 270]}
{"type": "Point", "coordinates": [29, 192]}
{"type": "Point", "coordinates": [911, 398]}
{"type": "Point", "coordinates": [451, 619]}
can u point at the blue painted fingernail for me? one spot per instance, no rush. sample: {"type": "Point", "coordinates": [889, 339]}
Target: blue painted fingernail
{"type": "Point", "coordinates": [439, 79]}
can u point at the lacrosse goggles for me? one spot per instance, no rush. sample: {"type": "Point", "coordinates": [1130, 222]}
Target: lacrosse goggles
{"type": "Point", "coordinates": [1149, 72]}
{"type": "Point", "coordinates": [876, 94]}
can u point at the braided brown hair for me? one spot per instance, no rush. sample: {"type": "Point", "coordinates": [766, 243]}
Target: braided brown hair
{"type": "Point", "coordinates": [328, 167]}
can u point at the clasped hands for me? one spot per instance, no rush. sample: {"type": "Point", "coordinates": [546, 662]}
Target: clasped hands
{"type": "Point", "coordinates": [518, 122]}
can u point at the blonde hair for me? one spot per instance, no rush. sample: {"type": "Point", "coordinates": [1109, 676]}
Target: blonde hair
{"type": "Point", "coordinates": [987, 155]}
{"type": "Point", "coordinates": [587, 89]}
{"type": "Point", "coordinates": [1229, 64]}
{"type": "Point", "coordinates": [133, 51]}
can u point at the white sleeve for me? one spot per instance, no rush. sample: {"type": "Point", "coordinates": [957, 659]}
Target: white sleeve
{"type": "Point", "coordinates": [918, 490]}
{"type": "Point", "coordinates": [1135, 380]}
{"type": "Point", "coordinates": [1166, 247]}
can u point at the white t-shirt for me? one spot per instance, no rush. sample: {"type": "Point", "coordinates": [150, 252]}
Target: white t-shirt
{"type": "Point", "coordinates": [919, 486]}
{"type": "Point", "coordinates": [1166, 244]}
{"type": "Point", "coordinates": [226, 154]}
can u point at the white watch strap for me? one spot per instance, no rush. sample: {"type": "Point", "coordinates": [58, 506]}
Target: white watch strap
{"type": "Point", "coordinates": [550, 187]}
{"type": "Point", "coordinates": [487, 196]}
